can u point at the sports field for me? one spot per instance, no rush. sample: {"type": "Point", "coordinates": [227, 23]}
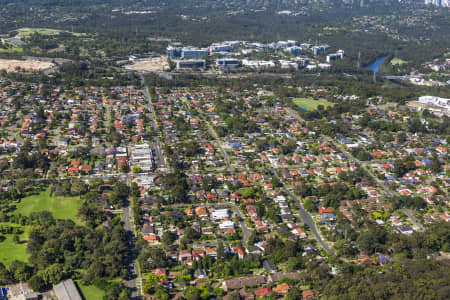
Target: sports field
{"type": "Point", "coordinates": [60, 207]}
{"type": "Point", "coordinates": [311, 104]}
{"type": "Point", "coordinates": [397, 61]}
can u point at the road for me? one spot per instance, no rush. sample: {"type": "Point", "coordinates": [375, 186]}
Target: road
{"type": "Point", "coordinates": [294, 114]}
{"type": "Point", "coordinates": [245, 231]}
{"type": "Point", "coordinates": [161, 161]}
{"type": "Point", "coordinates": [131, 283]}
{"type": "Point", "coordinates": [224, 153]}
{"type": "Point", "coordinates": [410, 214]}
{"type": "Point", "coordinates": [306, 217]}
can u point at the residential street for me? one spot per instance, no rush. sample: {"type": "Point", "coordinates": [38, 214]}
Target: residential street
{"type": "Point", "coordinates": [160, 159]}
{"type": "Point", "coordinates": [135, 282]}
{"type": "Point", "coordinates": [306, 217]}
{"type": "Point", "coordinates": [224, 153]}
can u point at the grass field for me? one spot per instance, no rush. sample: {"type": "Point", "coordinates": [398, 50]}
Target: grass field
{"type": "Point", "coordinates": [61, 207]}
{"type": "Point", "coordinates": [10, 251]}
{"type": "Point", "coordinates": [26, 31]}
{"type": "Point", "coordinates": [90, 292]}
{"type": "Point", "coordinates": [17, 50]}
{"type": "Point", "coordinates": [397, 61]}
{"type": "Point", "coordinates": [311, 104]}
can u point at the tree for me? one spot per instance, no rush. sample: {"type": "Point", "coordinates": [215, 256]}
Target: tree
{"type": "Point", "coordinates": [220, 252]}
{"type": "Point", "coordinates": [95, 183]}
{"type": "Point", "coordinates": [52, 274]}
{"type": "Point", "coordinates": [20, 270]}
{"type": "Point", "coordinates": [21, 185]}
{"type": "Point", "coordinates": [294, 263]}
{"type": "Point", "coordinates": [78, 188]}
{"type": "Point", "coordinates": [16, 239]}
{"type": "Point", "coordinates": [401, 137]}
{"type": "Point", "coordinates": [192, 293]}
{"type": "Point", "coordinates": [5, 275]}
{"type": "Point", "coordinates": [134, 190]}
{"type": "Point", "coordinates": [168, 238]}
{"type": "Point", "coordinates": [294, 294]}
{"type": "Point", "coordinates": [36, 283]}
{"type": "Point", "coordinates": [190, 234]}
{"type": "Point", "coordinates": [253, 238]}
{"type": "Point", "coordinates": [399, 168]}
{"type": "Point", "coordinates": [119, 193]}
{"type": "Point", "coordinates": [161, 294]}
{"type": "Point", "coordinates": [309, 205]}
{"type": "Point", "coordinates": [42, 143]}
{"type": "Point", "coordinates": [435, 165]}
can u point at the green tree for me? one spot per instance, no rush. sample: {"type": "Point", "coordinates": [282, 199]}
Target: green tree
{"type": "Point", "coordinates": [191, 293]}
{"type": "Point", "coordinates": [78, 188]}
{"type": "Point", "coordinates": [168, 238]}
{"type": "Point", "coordinates": [36, 283]}
{"type": "Point", "coordinates": [309, 205]}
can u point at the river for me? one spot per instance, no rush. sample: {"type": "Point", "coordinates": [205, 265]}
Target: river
{"type": "Point", "coordinates": [375, 66]}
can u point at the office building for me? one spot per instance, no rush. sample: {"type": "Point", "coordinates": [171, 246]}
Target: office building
{"type": "Point", "coordinates": [173, 52]}
{"type": "Point", "coordinates": [227, 63]}
{"type": "Point", "coordinates": [335, 56]}
{"type": "Point", "coordinates": [192, 52]}
{"type": "Point", "coordinates": [191, 64]}
{"type": "Point", "coordinates": [294, 50]}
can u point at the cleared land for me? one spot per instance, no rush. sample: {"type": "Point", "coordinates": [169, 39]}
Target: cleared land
{"type": "Point", "coordinates": [149, 64]}
{"type": "Point", "coordinates": [61, 207]}
{"type": "Point", "coordinates": [311, 104]}
{"type": "Point", "coordinates": [397, 61]}
{"type": "Point", "coordinates": [12, 65]}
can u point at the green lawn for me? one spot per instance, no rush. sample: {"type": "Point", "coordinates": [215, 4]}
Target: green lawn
{"type": "Point", "coordinates": [61, 207]}
{"type": "Point", "coordinates": [90, 292]}
{"type": "Point", "coordinates": [397, 61]}
{"type": "Point", "coordinates": [10, 251]}
{"type": "Point", "coordinates": [311, 104]}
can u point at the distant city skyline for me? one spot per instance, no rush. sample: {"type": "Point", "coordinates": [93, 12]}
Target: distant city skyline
{"type": "Point", "coordinates": [441, 3]}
